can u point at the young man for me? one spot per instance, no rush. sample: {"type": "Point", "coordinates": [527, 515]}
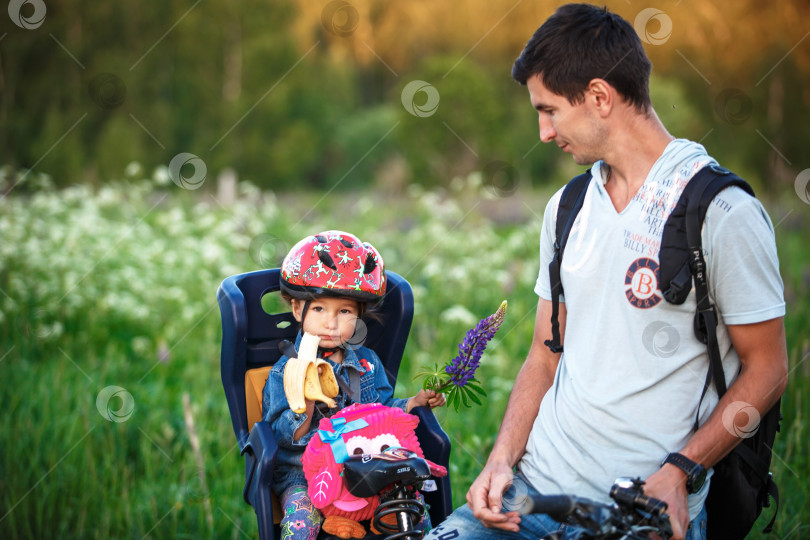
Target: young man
{"type": "Point", "coordinates": [612, 405]}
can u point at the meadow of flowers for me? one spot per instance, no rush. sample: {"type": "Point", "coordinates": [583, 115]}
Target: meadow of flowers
{"type": "Point", "coordinates": [114, 422]}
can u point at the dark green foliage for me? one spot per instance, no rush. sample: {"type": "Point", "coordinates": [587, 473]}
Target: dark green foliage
{"type": "Point", "coordinates": [101, 84]}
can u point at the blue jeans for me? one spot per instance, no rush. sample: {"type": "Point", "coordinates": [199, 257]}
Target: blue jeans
{"type": "Point", "coordinates": [463, 525]}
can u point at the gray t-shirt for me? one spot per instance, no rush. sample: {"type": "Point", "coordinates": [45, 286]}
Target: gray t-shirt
{"type": "Point", "coordinates": [628, 385]}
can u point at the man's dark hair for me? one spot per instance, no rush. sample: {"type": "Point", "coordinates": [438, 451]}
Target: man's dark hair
{"type": "Point", "coordinates": [581, 42]}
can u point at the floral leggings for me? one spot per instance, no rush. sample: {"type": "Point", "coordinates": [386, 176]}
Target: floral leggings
{"type": "Point", "coordinates": [301, 521]}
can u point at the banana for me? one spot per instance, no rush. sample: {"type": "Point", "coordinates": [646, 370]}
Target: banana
{"type": "Point", "coordinates": [312, 386]}
{"type": "Point", "coordinates": [308, 349]}
{"type": "Point", "coordinates": [327, 379]}
{"type": "Point", "coordinates": [294, 376]}
{"type": "Point", "coordinates": [308, 377]}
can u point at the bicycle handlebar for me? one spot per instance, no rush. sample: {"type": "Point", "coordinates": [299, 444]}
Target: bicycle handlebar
{"type": "Point", "coordinates": [635, 499]}
{"type": "Point", "coordinates": [559, 507]}
{"type": "Point", "coordinates": [633, 515]}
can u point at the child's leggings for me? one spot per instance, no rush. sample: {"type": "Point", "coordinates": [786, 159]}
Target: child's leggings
{"type": "Point", "coordinates": [301, 521]}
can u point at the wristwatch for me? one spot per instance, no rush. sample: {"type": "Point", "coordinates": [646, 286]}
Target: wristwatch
{"type": "Point", "coordinates": [695, 472]}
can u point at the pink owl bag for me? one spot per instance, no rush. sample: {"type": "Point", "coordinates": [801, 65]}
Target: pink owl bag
{"type": "Point", "coordinates": [359, 429]}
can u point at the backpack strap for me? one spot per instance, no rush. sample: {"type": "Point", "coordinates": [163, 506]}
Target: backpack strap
{"type": "Point", "coordinates": [773, 491]}
{"type": "Point", "coordinates": [702, 189]}
{"type": "Point", "coordinates": [693, 205]}
{"type": "Point", "coordinates": [571, 200]}
{"type": "Point", "coordinates": [675, 257]}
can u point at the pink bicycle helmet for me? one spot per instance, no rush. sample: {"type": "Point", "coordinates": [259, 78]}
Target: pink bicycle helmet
{"type": "Point", "coordinates": [333, 263]}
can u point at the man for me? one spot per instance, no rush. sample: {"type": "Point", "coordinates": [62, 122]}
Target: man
{"type": "Point", "coordinates": [612, 404]}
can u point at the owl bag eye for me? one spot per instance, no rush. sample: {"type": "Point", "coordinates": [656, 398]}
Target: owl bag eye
{"type": "Point", "coordinates": [359, 445]}
{"type": "Point", "coordinates": [381, 443]}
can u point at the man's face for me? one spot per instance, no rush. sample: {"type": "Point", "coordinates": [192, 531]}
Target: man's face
{"type": "Point", "coordinates": [575, 128]}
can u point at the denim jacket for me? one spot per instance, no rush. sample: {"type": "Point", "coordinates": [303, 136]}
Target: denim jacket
{"type": "Point", "coordinates": [374, 388]}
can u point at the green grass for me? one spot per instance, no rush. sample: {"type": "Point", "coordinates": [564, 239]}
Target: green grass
{"type": "Point", "coordinates": [116, 287]}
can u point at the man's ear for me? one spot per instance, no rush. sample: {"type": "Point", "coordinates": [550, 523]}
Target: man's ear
{"type": "Point", "coordinates": [297, 308]}
{"type": "Point", "coordinates": [601, 95]}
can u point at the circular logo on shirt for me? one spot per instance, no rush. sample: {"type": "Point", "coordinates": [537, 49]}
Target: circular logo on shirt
{"type": "Point", "coordinates": [642, 283]}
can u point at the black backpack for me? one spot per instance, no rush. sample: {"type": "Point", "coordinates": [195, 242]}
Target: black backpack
{"type": "Point", "coordinates": [741, 484]}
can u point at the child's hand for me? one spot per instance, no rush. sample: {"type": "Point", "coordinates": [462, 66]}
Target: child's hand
{"type": "Point", "coordinates": [303, 429]}
{"type": "Point", "coordinates": [426, 398]}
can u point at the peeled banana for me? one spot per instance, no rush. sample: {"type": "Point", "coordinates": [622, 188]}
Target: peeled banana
{"type": "Point", "coordinates": [309, 377]}
{"type": "Point", "coordinates": [326, 377]}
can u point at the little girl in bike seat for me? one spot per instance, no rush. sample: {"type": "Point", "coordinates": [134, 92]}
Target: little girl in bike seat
{"type": "Point", "coordinates": [331, 280]}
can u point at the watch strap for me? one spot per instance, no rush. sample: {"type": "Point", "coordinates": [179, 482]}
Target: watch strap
{"type": "Point", "coordinates": [688, 466]}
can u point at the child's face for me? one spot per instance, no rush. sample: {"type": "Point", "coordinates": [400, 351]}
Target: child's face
{"type": "Point", "coordinates": [331, 319]}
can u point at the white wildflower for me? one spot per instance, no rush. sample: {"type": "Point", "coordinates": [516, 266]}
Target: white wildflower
{"type": "Point", "coordinates": [133, 169]}
{"type": "Point", "coordinates": [161, 175]}
{"type": "Point", "coordinates": [458, 314]}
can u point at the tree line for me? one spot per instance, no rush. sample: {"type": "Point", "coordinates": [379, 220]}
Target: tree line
{"type": "Point", "coordinates": [349, 94]}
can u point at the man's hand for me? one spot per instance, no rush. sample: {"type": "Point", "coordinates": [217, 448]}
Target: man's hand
{"type": "Point", "coordinates": [485, 497]}
{"type": "Point", "coordinates": [668, 484]}
{"type": "Point", "coordinates": [426, 398]}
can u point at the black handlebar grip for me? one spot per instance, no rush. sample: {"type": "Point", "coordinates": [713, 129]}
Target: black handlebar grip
{"type": "Point", "coordinates": [558, 507]}
{"type": "Point", "coordinates": [654, 506]}
{"type": "Point", "coordinates": [638, 499]}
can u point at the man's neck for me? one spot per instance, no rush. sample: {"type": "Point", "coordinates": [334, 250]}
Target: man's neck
{"type": "Point", "coordinates": [635, 149]}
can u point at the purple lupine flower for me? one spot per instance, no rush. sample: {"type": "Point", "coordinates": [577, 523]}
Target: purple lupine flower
{"type": "Point", "coordinates": [463, 366]}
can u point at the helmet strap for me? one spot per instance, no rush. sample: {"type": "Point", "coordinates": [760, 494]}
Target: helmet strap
{"type": "Point", "coordinates": [324, 352]}
{"type": "Point", "coordinates": [304, 311]}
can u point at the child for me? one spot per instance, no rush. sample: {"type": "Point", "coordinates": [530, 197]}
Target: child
{"type": "Point", "coordinates": [331, 280]}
